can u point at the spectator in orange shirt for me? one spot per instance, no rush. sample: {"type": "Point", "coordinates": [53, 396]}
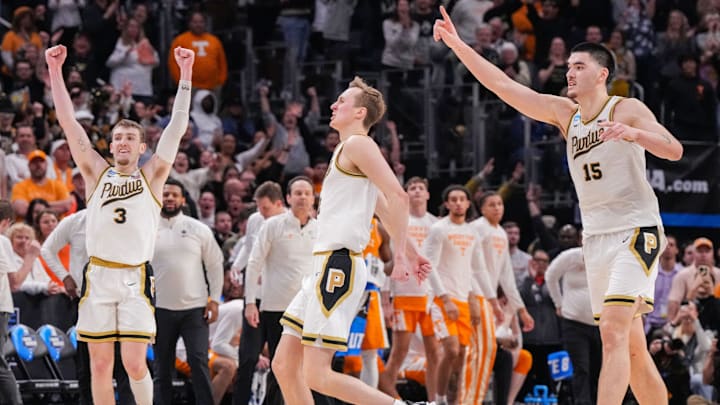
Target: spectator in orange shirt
{"type": "Point", "coordinates": [210, 69]}
{"type": "Point", "coordinates": [39, 186]}
{"type": "Point", "coordinates": [23, 31]}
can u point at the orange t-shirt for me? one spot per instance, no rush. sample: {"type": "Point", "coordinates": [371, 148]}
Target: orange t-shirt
{"type": "Point", "coordinates": [50, 190]}
{"type": "Point", "coordinates": [210, 68]}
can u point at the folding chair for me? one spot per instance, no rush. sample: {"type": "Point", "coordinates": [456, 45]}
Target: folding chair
{"type": "Point", "coordinates": [62, 352]}
{"type": "Point", "coordinates": [28, 357]}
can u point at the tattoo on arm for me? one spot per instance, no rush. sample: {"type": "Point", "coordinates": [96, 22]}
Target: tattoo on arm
{"type": "Point", "coordinates": [83, 146]}
{"type": "Point", "coordinates": [666, 138]}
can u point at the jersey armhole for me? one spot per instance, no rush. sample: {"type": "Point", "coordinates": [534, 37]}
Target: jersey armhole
{"type": "Point", "coordinates": [147, 183]}
{"type": "Point", "coordinates": [567, 126]}
{"type": "Point", "coordinates": [341, 169]}
{"type": "Point", "coordinates": [97, 183]}
{"type": "Point", "coordinates": [612, 108]}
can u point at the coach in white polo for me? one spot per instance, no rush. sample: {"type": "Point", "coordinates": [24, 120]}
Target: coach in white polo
{"type": "Point", "coordinates": [188, 266]}
{"type": "Point", "coordinates": [283, 248]}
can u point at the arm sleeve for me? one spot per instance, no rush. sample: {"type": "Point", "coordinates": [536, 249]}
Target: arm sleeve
{"type": "Point", "coordinates": [256, 262]}
{"type": "Point", "coordinates": [170, 139]}
{"type": "Point", "coordinates": [57, 239]}
{"type": "Point", "coordinates": [212, 258]}
{"type": "Point", "coordinates": [554, 273]}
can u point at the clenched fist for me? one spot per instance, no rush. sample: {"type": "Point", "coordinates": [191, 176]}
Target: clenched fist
{"type": "Point", "coordinates": [184, 58]}
{"type": "Point", "coordinates": [55, 56]}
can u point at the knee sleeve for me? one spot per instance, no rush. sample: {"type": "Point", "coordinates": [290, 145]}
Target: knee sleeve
{"type": "Point", "coordinates": [524, 362]}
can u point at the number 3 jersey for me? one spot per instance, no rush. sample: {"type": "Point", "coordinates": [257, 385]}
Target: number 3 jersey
{"type": "Point", "coordinates": [609, 177]}
{"type": "Point", "coordinates": [122, 218]}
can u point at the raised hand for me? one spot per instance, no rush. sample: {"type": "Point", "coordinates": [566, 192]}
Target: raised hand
{"type": "Point", "coordinates": [55, 56]}
{"type": "Point", "coordinates": [445, 30]}
{"type": "Point", "coordinates": [184, 58]}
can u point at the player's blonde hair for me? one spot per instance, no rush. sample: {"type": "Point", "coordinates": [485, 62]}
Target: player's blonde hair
{"type": "Point", "coordinates": [370, 98]}
{"type": "Point", "coordinates": [125, 123]}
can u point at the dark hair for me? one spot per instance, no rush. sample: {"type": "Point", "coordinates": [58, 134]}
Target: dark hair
{"type": "Point", "coordinates": [485, 196]}
{"type": "Point", "coordinates": [174, 182]}
{"type": "Point", "coordinates": [295, 180]}
{"type": "Point", "coordinates": [6, 210]}
{"type": "Point", "coordinates": [36, 226]}
{"type": "Point", "coordinates": [270, 190]}
{"type": "Point", "coordinates": [510, 224]}
{"type": "Point", "coordinates": [417, 179]}
{"type": "Point", "coordinates": [454, 187]}
{"type": "Point", "coordinates": [31, 207]}
{"type": "Point", "coordinates": [600, 54]}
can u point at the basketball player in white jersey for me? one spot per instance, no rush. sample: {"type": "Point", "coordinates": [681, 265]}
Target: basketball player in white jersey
{"type": "Point", "coordinates": [123, 212]}
{"type": "Point", "coordinates": [606, 142]}
{"type": "Point", "coordinates": [358, 183]}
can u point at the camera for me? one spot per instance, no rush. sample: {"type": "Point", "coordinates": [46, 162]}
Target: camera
{"type": "Point", "coordinates": [673, 344]}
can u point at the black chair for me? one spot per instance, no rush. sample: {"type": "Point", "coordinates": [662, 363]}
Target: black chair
{"type": "Point", "coordinates": [62, 353]}
{"type": "Point", "coordinates": [28, 357]}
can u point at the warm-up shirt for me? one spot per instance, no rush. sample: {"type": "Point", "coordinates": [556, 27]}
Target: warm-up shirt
{"type": "Point", "coordinates": [455, 253]}
{"type": "Point", "coordinates": [283, 249]}
{"type": "Point", "coordinates": [496, 253]}
{"type": "Point", "coordinates": [573, 297]}
{"type": "Point", "coordinates": [188, 264]}
{"type": "Point", "coordinates": [7, 265]}
{"type": "Point", "coordinates": [418, 229]}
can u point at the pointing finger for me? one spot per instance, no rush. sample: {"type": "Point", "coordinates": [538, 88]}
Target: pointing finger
{"type": "Point", "coordinates": [444, 13]}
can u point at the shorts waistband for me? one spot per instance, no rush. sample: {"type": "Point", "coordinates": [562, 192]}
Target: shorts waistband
{"type": "Point", "coordinates": [341, 251]}
{"type": "Point", "coordinates": [113, 265]}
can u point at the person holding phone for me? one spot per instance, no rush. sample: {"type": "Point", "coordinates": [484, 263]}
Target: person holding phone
{"type": "Point", "coordinates": [683, 282]}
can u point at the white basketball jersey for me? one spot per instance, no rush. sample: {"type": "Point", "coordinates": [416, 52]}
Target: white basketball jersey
{"type": "Point", "coordinates": [347, 204]}
{"type": "Point", "coordinates": [609, 177]}
{"type": "Point", "coordinates": [122, 218]}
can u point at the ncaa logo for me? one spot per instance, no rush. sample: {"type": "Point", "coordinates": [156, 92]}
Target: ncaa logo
{"type": "Point", "coordinates": [576, 120]}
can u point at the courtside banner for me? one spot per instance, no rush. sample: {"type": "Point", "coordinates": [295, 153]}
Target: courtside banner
{"type": "Point", "coordinates": [688, 190]}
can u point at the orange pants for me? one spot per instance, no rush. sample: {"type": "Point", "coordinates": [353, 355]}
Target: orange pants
{"type": "Point", "coordinates": [479, 357]}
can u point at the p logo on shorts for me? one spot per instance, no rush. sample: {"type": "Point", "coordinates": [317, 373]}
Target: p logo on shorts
{"type": "Point", "coordinates": [645, 245]}
{"type": "Point", "coordinates": [335, 279]}
{"type": "Point", "coordinates": [335, 283]}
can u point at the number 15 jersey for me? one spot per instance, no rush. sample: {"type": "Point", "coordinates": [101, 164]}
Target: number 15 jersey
{"type": "Point", "coordinates": [122, 218]}
{"type": "Point", "coordinates": [609, 177]}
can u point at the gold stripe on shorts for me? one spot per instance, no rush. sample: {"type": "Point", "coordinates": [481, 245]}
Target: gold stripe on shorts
{"type": "Point", "coordinates": [113, 265]}
{"type": "Point", "coordinates": [329, 252]}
